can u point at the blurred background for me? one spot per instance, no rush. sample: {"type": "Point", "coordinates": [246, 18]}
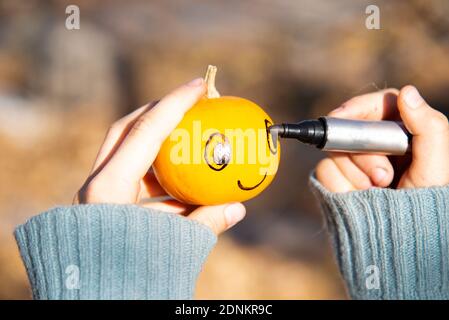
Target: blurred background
{"type": "Point", "coordinates": [60, 89]}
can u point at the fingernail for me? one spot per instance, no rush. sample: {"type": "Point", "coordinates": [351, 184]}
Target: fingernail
{"type": "Point", "coordinates": [412, 98]}
{"type": "Point", "coordinates": [234, 213]}
{"type": "Point", "coordinates": [196, 82]}
{"type": "Point", "coordinates": [379, 175]}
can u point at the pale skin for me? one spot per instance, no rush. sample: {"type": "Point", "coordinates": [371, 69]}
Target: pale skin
{"type": "Point", "coordinates": [122, 170]}
{"type": "Point", "coordinates": [427, 166]}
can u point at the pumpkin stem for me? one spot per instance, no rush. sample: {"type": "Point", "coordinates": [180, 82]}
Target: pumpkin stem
{"type": "Point", "coordinates": [210, 81]}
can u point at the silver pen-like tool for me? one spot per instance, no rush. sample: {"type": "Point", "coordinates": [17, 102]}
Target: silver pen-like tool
{"type": "Point", "coordinates": [344, 135]}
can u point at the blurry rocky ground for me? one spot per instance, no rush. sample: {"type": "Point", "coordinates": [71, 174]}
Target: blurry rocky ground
{"type": "Point", "coordinates": [60, 89]}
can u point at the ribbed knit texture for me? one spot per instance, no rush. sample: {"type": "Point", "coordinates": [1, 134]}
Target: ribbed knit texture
{"type": "Point", "coordinates": [403, 233]}
{"type": "Point", "coordinates": [120, 251]}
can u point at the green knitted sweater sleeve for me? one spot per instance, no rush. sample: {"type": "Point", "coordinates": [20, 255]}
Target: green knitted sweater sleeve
{"type": "Point", "coordinates": [107, 251]}
{"type": "Point", "coordinates": [390, 244]}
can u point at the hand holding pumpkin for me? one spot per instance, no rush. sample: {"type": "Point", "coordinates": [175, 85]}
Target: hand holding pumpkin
{"type": "Point", "coordinates": [121, 173]}
{"type": "Point", "coordinates": [221, 151]}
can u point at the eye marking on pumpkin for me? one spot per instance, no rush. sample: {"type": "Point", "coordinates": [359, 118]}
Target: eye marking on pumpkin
{"type": "Point", "coordinates": [217, 151]}
{"type": "Point", "coordinates": [241, 186]}
{"type": "Point", "coordinates": [273, 149]}
{"type": "Point", "coordinates": [222, 153]}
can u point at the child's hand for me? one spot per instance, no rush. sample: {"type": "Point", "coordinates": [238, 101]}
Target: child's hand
{"type": "Point", "coordinates": [121, 173]}
{"type": "Point", "coordinates": [427, 166]}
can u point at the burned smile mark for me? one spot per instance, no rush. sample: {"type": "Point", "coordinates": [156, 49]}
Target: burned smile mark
{"type": "Point", "coordinates": [239, 183]}
{"type": "Point", "coordinates": [272, 143]}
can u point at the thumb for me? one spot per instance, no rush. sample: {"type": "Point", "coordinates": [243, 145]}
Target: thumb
{"type": "Point", "coordinates": [430, 130]}
{"type": "Point", "coordinates": [219, 218]}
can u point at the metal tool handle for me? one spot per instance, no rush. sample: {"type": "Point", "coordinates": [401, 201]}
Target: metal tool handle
{"type": "Point", "coordinates": [360, 136]}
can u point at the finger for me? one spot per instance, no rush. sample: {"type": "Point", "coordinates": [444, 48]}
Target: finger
{"type": "Point", "coordinates": [116, 134]}
{"type": "Point", "coordinates": [137, 152]}
{"type": "Point", "coordinates": [152, 195]}
{"type": "Point", "coordinates": [351, 171]}
{"type": "Point", "coordinates": [331, 177]}
{"type": "Point", "coordinates": [150, 187]}
{"type": "Point", "coordinates": [171, 206]}
{"type": "Point", "coordinates": [219, 218]}
{"type": "Point", "coordinates": [372, 106]}
{"type": "Point", "coordinates": [378, 168]}
{"type": "Point", "coordinates": [430, 130]}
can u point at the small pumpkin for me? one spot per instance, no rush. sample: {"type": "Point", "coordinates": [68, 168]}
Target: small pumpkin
{"type": "Point", "coordinates": [220, 152]}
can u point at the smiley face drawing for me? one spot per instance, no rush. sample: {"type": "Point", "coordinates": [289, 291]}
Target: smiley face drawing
{"type": "Point", "coordinates": [220, 152]}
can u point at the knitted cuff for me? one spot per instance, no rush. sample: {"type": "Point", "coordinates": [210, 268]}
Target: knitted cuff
{"type": "Point", "coordinates": [390, 244]}
{"type": "Point", "coordinates": [107, 251]}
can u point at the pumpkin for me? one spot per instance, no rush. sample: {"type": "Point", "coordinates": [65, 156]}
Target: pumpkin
{"type": "Point", "coordinates": [220, 152]}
